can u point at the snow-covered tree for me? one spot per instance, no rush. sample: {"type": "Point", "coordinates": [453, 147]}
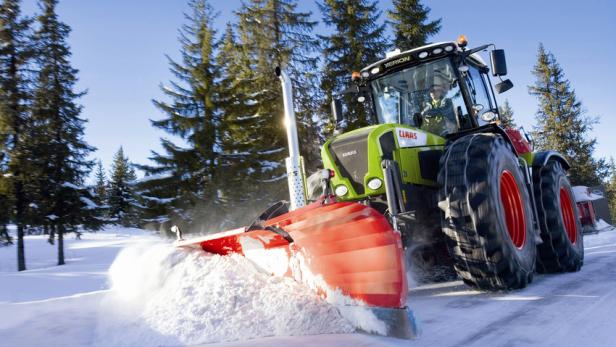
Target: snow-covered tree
{"type": "Point", "coordinates": [123, 207]}
{"type": "Point", "coordinates": [100, 184]}
{"type": "Point", "coordinates": [562, 124]}
{"type": "Point", "coordinates": [411, 27]}
{"type": "Point", "coordinates": [15, 54]}
{"type": "Point", "coordinates": [180, 186]}
{"type": "Point", "coordinates": [5, 207]}
{"type": "Point", "coordinates": [253, 138]}
{"type": "Point", "coordinates": [357, 39]}
{"type": "Point", "coordinates": [610, 188]}
{"type": "Point", "coordinates": [60, 152]}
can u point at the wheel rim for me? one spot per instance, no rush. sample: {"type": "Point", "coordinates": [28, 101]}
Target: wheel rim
{"type": "Point", "coordinates": [513, 208]}
{"type": "Point", "coordinates": [566, 210]}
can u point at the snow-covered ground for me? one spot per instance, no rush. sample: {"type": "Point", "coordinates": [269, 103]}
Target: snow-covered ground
{"type": "Point", "coordinates": [127, 287]}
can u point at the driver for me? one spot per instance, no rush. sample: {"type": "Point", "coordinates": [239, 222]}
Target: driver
{"type": "Point", "coordinates": [438, 116]}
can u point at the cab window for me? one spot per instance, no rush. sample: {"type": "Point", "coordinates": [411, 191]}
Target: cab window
{"type": "Point", "coordinates": [478, 93]}
{"type": "Point", "coordinates": [426, 96]}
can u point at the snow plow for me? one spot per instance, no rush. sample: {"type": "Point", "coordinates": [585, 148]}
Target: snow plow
{"type": "Point", "coordinates": [434, 182]}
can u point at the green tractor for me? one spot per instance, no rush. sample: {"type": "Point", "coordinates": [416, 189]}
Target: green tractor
{"type": "Point", "coordinates": [464, 192]}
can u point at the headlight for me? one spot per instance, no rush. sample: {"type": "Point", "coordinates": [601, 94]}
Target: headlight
{"type": "Point", "coordinates": [437, 50]}
{"type": "Point", "coordinates": [341, 190]}
{"type": "Point", "coordinates": [423, 55]}
{"type": "Point", "coordinates": [375, 183]}
{"type": "Point", "coordinates": [488, 116]}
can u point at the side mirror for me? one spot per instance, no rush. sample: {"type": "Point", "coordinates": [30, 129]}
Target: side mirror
{"type": "Point", "coordinates": [503, 86]}
{"type": "Point", "coordinates": [337, 110]}
{"type": "Point", "coordinates": [499, 64]}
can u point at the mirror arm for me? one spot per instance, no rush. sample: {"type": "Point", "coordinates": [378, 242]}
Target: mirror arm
{"type": "Point", "coordinates": [467, 53]}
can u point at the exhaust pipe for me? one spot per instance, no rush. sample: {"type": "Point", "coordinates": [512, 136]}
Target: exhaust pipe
{"type": "Point", "coordinates": [294, 163]}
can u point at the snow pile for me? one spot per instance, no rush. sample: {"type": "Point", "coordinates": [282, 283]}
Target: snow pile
{"type": "Point", "coordinates": [163, 296]}
{"type": "Point", "coordinates": [603, 225]}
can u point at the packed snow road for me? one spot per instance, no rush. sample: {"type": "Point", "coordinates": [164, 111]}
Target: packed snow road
{"type": "Point", "coordinates": [125, 287]}
{"type": "Point", "coordinates": [573, 309]}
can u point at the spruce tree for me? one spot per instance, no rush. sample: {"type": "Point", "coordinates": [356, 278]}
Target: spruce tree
{"type": "Point", "coordinates": [15, 54]}
{"type": "Point", "coordinates": [5, 207]}
{"type": "Point", "coordinates": [123, 206]}
{"type": "Point", "coordinates": [357, 40]}
{"type": "Point", "coordinates": [253, 137]}
{"type": "Point", "coordinates": [181, 183]}
{"type": "Point", "coordinates": [236, 109]}
{"type": "Point", "coordinates": [562, 124]}
{"type": "Point", "coordinates": [100, 185]}
{"type": "Point", "coordinates": [61, 152]}
{"type": "Point", "coordinates": [506, 115]}
{"type": "Point", "coordinates": [610, 189]}
{"type": "Point", "coordinates": [411, 27]}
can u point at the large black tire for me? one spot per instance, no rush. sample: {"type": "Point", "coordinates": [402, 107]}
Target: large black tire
{"type": "Point", "coordinates": [562, 249]}
{"type": "Point", "coordinates": [476, 171]}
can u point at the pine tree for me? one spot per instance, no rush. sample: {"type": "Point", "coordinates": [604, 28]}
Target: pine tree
{"type": "Point", "coordinates": [411, 27]}
{"type": "Point", "coordinates": [123, 205]}
{"type": "Point", "coordinates": [506, 115]}
{"type": "Point", "coordinates": [357, 40]}
{"type": "Point", "coordinates": [100, 188]}
{"type": "Point", "coordinates": [61, 152]}
{"type": "Point", "coordinates": [5, 207]}
{"type": "Point", "coordinates": [253, 137]}
{"type": "Point", "coordinates": [237, 109]}
{"type": "Point", "coordinates": [610, 188]}
{"type": "Point", "coordinates": [15, 53]}
{"type": "Point", "coordinates": [562, 124]}
{"type": "Point", "coordinates": [181, 183]}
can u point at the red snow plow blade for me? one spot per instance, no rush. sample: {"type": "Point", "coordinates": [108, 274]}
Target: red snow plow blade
{"type": "Point", "coordinates": [345, 251]}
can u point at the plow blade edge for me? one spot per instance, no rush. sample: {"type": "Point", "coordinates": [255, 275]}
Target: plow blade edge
{"type": "Point", "coordinates": [347, 252]}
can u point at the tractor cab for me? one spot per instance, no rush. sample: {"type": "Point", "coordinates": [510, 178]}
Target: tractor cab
{"type": "Point", "coordinates": [441, 88]}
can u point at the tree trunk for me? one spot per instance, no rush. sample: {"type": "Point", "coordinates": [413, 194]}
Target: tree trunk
{"type": "Point", "coordinates": [4, 234]}
{"type": "Point", "coordinates": [60, 245]}
{"type": "Point", "coordinates": [21, 254]}
{"type": "Point", "coordinates": [52, 234]}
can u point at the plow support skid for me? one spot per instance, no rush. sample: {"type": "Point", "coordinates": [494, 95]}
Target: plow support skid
{"type": "Point", "coordinates": [347, 252]}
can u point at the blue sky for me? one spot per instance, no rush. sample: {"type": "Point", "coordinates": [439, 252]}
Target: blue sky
{"type": "Point", "coordinates": [120, 46]}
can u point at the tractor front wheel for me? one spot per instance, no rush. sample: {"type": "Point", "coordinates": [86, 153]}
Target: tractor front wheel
{"type": "Point", "coordinates": [487, 214]}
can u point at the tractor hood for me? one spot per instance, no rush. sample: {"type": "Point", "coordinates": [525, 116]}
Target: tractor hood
{"type": "Point", "coordinates": [355, 157]}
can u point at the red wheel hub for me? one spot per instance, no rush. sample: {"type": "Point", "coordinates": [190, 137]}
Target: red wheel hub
{"type": "Point", "coordinates": [566, 210]}
{"type": "Point", "coordinates": [513, 208]}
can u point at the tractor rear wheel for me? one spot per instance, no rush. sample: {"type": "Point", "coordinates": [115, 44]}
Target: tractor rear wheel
{"type": "Point", "coordinates": [561, 231]}
{"type": "Point", "coordinates": [487, 215]}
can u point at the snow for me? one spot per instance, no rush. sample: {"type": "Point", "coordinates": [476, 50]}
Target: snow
{"type": "Point", "coordinates": [583, 193]}
{"type": "Point", "coordinates": [71, 185]}
{"type": "Point", "coordinates": [126, 287]}
{"type": "Point", "coordinates": [90, 205]}
{"type": "Point", "coordinates": [153, 177]}
{"type": "Point", "coordinates": [158, 200]}
{"type": "Point", "coordinates": [602, 225]}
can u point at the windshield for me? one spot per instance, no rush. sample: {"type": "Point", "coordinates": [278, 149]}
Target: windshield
{"type": "Point", "coordinates": [426, 96]}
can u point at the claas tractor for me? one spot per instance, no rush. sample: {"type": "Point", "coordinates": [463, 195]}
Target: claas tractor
{"type": "Point", "coordinates": [435, 182]}
{"type": "Point", "coordinates": [448, 177]}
